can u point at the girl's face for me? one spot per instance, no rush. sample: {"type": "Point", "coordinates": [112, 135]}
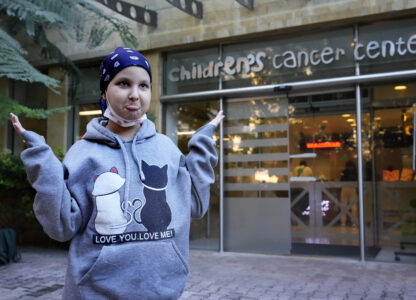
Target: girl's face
{"type": "Point", "coordinates": [129, 93]}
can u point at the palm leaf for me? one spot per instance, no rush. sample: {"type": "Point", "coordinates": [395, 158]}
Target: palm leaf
{"type": "Point", "coordinates": [14, 66]}
{"type": "Point", "coordinates": [8, 105]}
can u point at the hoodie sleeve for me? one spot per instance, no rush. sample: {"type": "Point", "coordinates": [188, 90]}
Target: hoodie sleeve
{"type": "Point", "coordinates": [200, 162]}
{"type": "Point", "coordinates": [55, 209]}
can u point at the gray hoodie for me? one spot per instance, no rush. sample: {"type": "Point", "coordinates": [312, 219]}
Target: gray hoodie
{"type": "Point", "coordinates": [125, 205]}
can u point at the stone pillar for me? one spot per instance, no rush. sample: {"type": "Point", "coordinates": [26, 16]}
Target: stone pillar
{"type": "Point", "coordinates": [57, 124]}
{"type": "Point", "coordinates": [4, 90]}
{"type": "Point", "coordinates": [155, 61]}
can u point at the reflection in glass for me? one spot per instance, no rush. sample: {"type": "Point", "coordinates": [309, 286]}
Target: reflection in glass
{"type": "Point", "coordinates": [394, 205]}
{"type": "Point", "coordinates": [324, 179]}
{"type": "Point", "coordinates": [182, 120]}
{"type": "Point", "coordinates": [256, 176]}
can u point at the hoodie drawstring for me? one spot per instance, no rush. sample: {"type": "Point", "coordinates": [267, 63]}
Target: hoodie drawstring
{"type": "Point", "coordinates": [127, 185]}
{"type": "Point", "coordinates": [141, 174]}
{"type": "Point", "coordinates": [127, 166]}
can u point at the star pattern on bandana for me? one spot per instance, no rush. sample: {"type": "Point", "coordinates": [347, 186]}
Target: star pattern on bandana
{"type": "Point", "coordinates": [117, 60]}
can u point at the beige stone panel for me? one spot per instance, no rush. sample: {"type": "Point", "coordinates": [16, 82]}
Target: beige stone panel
{"type": "Point", "coordinates": [4, 90]}
{"type": "Point", "coordinates": [57, 124]}
{"type": "Point", "coordinates": [155, 61]}
{"type": "Point", "coordinates": [223, 20]}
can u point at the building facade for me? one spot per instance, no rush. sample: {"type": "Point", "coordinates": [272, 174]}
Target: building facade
{"type": "Point", "coordinates": [317, 154]}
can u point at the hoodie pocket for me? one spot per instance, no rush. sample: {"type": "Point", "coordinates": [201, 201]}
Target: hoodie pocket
{"type": "Point", "coordinates": [148, 270]}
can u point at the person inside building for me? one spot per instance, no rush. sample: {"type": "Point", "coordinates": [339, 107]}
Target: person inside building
{"type": "Point", "coordinates": [124, 194]}
{"type": "Point", "coordinates": [349, 194]}
{"type": "Point", "coordinates": [303, 170]}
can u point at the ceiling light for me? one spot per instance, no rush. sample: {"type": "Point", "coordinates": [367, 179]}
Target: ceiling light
{"type": "Point", "coordinates": [400, 87]}
{"type": "Point", "coordinates": [90, 112]}
{"type": "Point", "coordinates": [325, 121]}
{"type": "Point", "coordinates": [350, 120]}
{"type": "Point", "coordinates": [346, 115]}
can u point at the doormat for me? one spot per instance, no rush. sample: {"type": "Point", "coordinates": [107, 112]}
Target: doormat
{"type": "Point", "coordinates": [333, 250]}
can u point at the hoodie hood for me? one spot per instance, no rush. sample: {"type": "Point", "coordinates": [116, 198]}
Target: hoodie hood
{"type": "Point", "coordinates": [97, 132]}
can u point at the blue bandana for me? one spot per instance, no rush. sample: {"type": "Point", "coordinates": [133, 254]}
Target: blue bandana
{"type": "Point", "coordinates": [117, 61]}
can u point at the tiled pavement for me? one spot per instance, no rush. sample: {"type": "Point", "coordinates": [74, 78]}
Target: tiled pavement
{"type": "Point", "coordinates": [40, 275]}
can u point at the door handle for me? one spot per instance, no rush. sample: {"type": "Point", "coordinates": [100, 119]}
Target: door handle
{"type": "Point", "coordinates": [303, 155]}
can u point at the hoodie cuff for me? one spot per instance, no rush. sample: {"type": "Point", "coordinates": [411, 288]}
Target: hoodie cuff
{"type": "Point", "coordinates": [32, 139]}
{"type": "Point", "coordinates": [207, 130]}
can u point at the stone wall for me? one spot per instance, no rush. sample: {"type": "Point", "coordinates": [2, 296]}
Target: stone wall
{"type": "Point", "coordinates": [225, 20]}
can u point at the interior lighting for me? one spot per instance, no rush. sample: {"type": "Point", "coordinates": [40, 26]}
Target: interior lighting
{"type": "Point", "coordinates": [350, 120]}
{"type": "Point", "coordinates": [186, 132]}
{"type": "Point", "coordinates": [263, 176]}
{"type": "Point", "coordinates": [346, 115]}
{"type": "Point", "coordinates": [400, 87]}
{"type": "Point", "coordinates": [323, 145]}
{"type": "Point", "coordinates": [325, 121]}
{"type": "Point", "coordinates": [90, 112]}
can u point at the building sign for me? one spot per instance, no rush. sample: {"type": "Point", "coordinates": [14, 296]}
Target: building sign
{"type": "Point", "coordinates": [293, 59]}
{"type": "Point", "coordinates": [230, 65]}
{"type": "Point", "coordinates": [321, 55]}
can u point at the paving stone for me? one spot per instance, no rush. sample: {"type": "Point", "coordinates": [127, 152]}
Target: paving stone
{"type": "Point", "coordinates": [334, 297]}
{"type": "Point", "coordinates": [215, 276]}
{"type": "Point", "coordinates": [372, 297]}
{"type": "Point", "coordinates": [355, 297]}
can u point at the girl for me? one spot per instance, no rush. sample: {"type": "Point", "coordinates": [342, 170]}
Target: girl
{"type": "Point", "coordinates": [124, 194]}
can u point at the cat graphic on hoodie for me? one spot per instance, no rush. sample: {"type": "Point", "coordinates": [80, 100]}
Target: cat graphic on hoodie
{"type": "Point", "coordinates": [110, 218]}
{"type": "Point", "coordinates": [155, 215]}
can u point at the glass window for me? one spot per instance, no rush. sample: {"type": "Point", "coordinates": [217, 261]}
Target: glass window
{"type": "Point", "coordinates": [390, 214]}
{"type": "Point", "coordinates": [88, 86]}
{"type": "Point", "coordinates": [182, 120]}
{"type": "Point", "coordinates": [85, 113]}
{"type": "Point", "coordinates": [256, 176]}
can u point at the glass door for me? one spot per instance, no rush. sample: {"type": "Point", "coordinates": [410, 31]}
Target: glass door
{"type": "Point", "coordinates": [392, 224]}
{"type": "Point", "coordinates": [324, 174]}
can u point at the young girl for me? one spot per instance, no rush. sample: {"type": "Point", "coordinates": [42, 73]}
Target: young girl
{"type": "Point", "coordinates": [124, 194]}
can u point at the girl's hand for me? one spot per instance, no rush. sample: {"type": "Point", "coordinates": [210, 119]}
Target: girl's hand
{"type": "Point", "coordinates": [217, 120]}
{"type": "Point", "coordinates": [16, 124]}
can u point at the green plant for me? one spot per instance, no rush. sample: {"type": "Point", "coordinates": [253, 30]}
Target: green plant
{"type": "Point", "coordinates": [17, 194]}
{"type": "Point", "coordinates": [16, 202]}
{"type": "Point", "coordinates": [60, 153]}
